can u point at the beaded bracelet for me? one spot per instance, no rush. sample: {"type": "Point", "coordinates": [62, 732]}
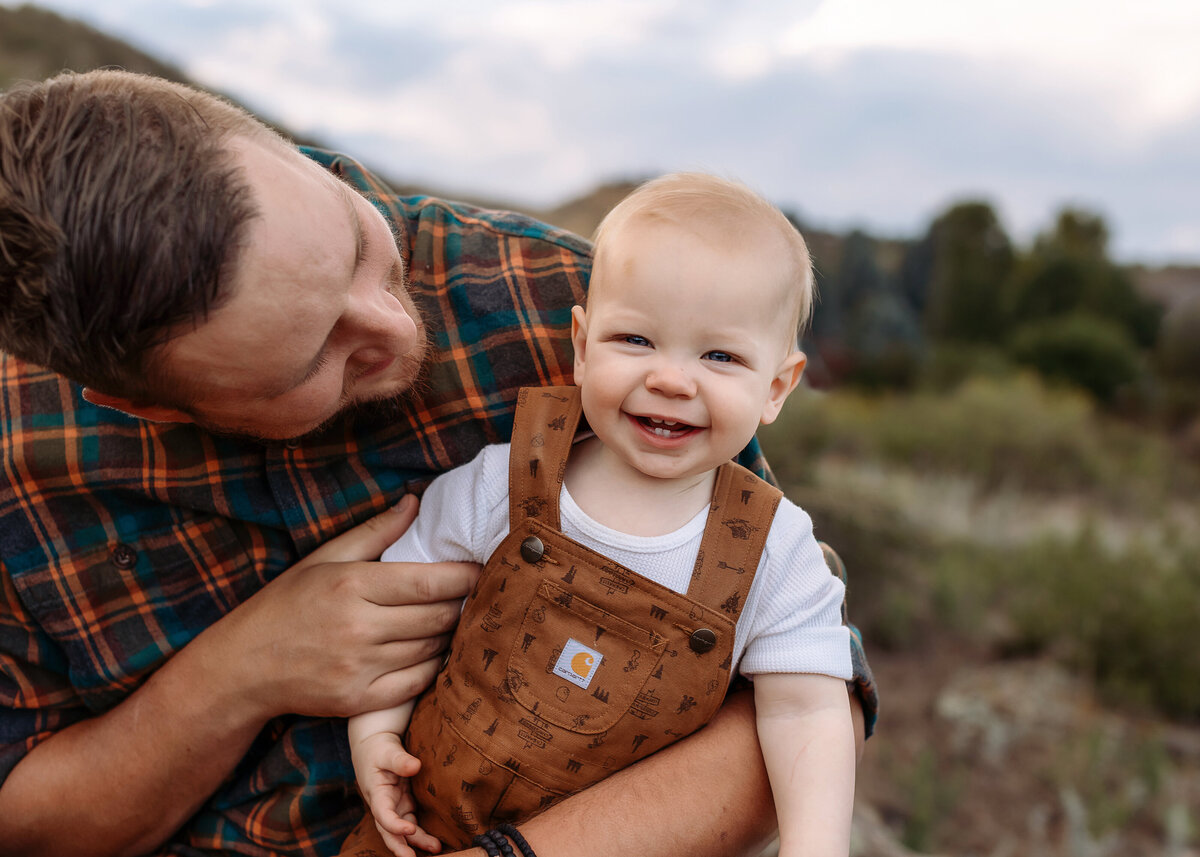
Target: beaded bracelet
{"type": "Point", "coordinates": [501, 842]}
{"type": "Point", "coordinates": [515, 835]}
{"type": "Point", "coordinates": [495, 842]}
{"type": "Point", "coordinates": [485, 842]}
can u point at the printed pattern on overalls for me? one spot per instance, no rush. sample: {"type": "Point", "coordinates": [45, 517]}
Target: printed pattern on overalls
{"type": "Point", "coordinates": [567, 666]}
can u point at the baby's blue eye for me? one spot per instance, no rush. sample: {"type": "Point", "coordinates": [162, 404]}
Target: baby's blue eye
{"type": "Point", "coordinates": [719, 356]}
{"type": "Point", "coordinates": [633, 339]}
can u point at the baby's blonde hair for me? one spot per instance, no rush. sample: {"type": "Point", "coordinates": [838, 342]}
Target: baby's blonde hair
{"type": "Point", "coordinates": [699, 199]}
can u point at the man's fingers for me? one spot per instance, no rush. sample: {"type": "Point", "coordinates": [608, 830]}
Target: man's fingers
{"type": "Point", "coordinates": [404, 653]}
{"type": "Point", "coordinates": [401, 622]}
{"type": "Point", "coordinates": [392, 584]}
{"type": "Point", "coordinates": [369, 539]}
{"type": "Point", "coordinates": [398, 686]}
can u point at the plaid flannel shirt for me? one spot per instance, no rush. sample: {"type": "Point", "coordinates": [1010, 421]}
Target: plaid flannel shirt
{"type": "Point", "coordinates": [121, 540]}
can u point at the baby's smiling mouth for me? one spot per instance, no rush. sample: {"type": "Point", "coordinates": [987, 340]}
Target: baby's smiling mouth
{"type": "Point", "coordinates": [665, 428]}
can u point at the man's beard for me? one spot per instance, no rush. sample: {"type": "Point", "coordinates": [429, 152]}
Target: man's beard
{"type": "Point", "coordinates": [376, 408]}
{"type": "Point", "coordinates": [390, 405]}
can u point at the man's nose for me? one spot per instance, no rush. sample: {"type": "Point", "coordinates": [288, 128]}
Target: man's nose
{"type": "Point", "coordinates": [382, 328]}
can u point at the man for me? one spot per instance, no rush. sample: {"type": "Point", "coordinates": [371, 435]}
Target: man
{"type": "Point", "coordinates": [271, 349]}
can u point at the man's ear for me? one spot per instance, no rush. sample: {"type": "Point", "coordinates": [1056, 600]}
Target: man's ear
{"type": "Point", "coordinates": [578, 339]}
{"type": "Point", "coordinates": [152, 413]}
{"type": "Point", "coordinates": [782, 384]}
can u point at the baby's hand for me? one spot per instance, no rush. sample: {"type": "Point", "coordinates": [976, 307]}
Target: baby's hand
{"type": "Point", "coordinates": [418, 839]}
{"type": "Point", "coordinates": [383, 767]}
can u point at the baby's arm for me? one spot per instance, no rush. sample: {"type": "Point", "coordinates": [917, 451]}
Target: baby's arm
{"type": "Point", "coordinates": [382, 767]}
{"type": "Point", "coordinates": [459, 511]}
{"type": "Point", "coordinates": [807, 739]}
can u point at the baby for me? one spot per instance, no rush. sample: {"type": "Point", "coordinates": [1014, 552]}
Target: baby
{"type": "Point", "coordinates": [627, 583]}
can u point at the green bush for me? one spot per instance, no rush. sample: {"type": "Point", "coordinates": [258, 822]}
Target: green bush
{"type": "Point", "coordinates": [1126, 619]}
{"type": "Point", "coordinates": [1006, 430]}
{"type": "Point", "coordinates": [1129, 620]}
{"type": "Point", "coordinates": [948, 365]}
{"type": "Point", "coordinates": [1124, 615]}
{"type": "Point", "coordinates": [1091, 353]}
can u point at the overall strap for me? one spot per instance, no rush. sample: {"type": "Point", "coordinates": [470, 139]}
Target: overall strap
{"type": "Point", "coordinates": [739, 519]}
{"type": "Point", "coordinates": [543, 429]}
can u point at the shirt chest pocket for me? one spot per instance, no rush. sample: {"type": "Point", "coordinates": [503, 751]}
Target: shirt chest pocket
{"type": "Point", "coordinates": [577, 665]}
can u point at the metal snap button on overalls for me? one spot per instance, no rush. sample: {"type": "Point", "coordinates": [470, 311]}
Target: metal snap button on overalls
{"type": "Point", "coordinates": [702, 640]}
{"type": "Point", "coordinates": [532, 549]}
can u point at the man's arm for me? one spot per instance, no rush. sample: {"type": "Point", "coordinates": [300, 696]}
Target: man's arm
{"type": "Point", "coordinates": [704, 796]}
{"type": "Point", "coordinates": [122, 782]}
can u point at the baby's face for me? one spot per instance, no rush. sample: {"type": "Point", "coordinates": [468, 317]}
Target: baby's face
{"type": "Point", "coordinates": [685, 348]}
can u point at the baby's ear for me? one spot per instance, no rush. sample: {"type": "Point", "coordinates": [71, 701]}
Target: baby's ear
{"type": "Point", "coordinates": [578, 339]}
{"type": "Point", "coordinates": [785, 380]}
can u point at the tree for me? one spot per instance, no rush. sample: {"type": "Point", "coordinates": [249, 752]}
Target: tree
{"type": "Point", "coordinates": [879, 328]}
{"type": "Point", "coordinates": [1068, 271]}
{"type": "Point", "coordinates": [972, 258]}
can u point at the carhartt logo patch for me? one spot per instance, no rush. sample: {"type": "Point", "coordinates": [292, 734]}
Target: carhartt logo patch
{"type": "Point", "coordinates": [577, 663]}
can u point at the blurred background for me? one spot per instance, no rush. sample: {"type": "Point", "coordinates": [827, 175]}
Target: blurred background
{"type": "Point", "coordinates": [1001, 430]}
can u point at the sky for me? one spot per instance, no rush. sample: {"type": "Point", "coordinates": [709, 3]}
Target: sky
{"type": "Point", "coordinates": [871, 114]}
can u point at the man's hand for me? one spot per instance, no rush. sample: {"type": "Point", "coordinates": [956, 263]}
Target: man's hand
{"type": "Point", "coordinates": [340, 633]}
{"type": "Point", "coordinates": [334, 635]}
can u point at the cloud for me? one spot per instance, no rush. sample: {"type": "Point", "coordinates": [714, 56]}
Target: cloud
{"type": "Point", "coordinates": [849, 111]}
{"type": "Point", "coordinates": [1142, 53]}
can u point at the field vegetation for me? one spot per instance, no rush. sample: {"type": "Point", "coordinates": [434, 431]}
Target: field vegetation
{"type": "Point", "coordinates": [1003, 443]}
{"type": "Point", "coordinates": [1004, 446]}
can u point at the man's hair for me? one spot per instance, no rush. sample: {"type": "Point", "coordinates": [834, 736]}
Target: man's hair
{"type": "Point", "coordinates": [737, 212]}
{"type": "Point", "coordinates": [121, 216]}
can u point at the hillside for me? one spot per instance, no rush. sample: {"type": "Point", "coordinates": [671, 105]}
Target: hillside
{"type": "Point", "coordinates": [1023, 565]}
{"type": "Point", "coordinates": [35, 43]}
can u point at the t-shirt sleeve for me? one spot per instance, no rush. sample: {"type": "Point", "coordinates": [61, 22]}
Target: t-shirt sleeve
{"type": "Point", "coordinates": [461, 512]}
{"type": "Point", "coordinates": [796, 625]}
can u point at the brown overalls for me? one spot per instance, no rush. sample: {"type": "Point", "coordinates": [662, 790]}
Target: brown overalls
{"type": "Point", "coordinates": [566, 666]}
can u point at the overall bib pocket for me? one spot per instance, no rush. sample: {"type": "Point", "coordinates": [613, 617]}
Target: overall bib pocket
{"type": "Point", "coordinates": [576, 665]}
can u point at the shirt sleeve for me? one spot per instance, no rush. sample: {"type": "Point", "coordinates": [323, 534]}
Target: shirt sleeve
{"type": "Point", "coordinates": [36, 699]}
{"type": "Point", "coordinates": [461, 512]}
{"type": "Point", "coordinates": [863, 683]}
{"type": "Point", "coordinates": [796, 625]}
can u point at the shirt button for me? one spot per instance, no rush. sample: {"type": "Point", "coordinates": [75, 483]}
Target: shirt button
{"type": "Point", "coordinates": [702, 640]}
{"type": "Point", "coordinates": [532, 549]}
{"type": "Point", "coordinates": [123, 556]}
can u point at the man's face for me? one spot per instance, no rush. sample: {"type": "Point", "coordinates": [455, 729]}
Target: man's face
{"type": "Point", "coordinates": [319, 318]}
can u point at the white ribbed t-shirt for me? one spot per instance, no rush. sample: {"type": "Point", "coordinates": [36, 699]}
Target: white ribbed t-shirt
{"type": "Point", "coordinates": [792, 619]}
